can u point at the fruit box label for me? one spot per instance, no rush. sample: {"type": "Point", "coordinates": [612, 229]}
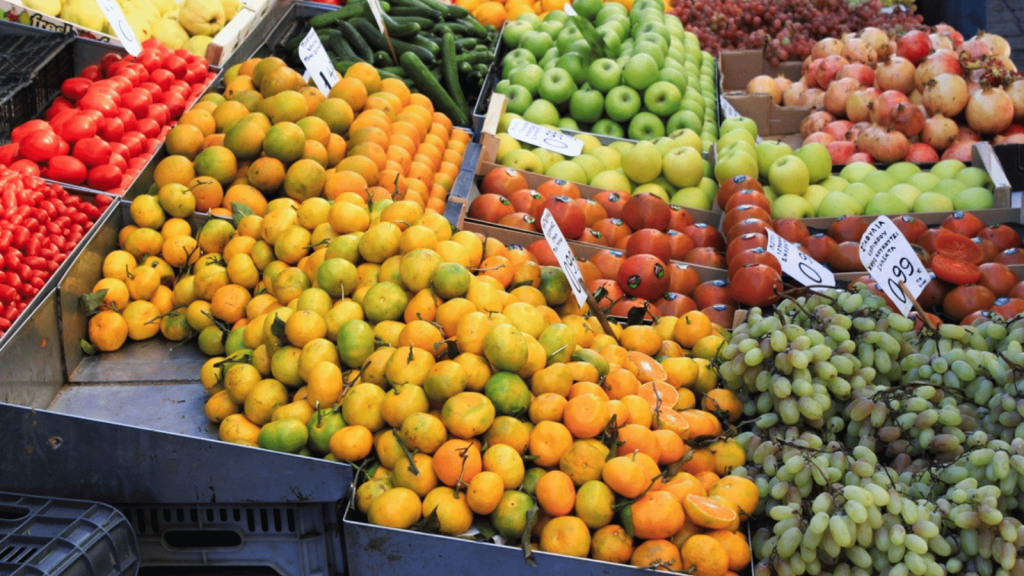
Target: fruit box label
{"type": "Point", "coordinates": [545, 138]}
{"type": "Point", "coordinates": [563, 253]}
{"type": "Point", "coordinates": [892, 262]}
{"type": "Point", "coordinates": [798, 265]}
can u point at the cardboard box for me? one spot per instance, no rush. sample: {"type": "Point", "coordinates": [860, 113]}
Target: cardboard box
{"type": "Point", "coordinates": [737, 67]}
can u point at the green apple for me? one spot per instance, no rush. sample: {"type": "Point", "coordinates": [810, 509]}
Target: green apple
{"type": "Point", "coordinates": [587, 8]}
{"type": "Point", "coordinates": [880, 180]}
{"type": "Point", "coordinates": [770, 194]}
{"type": "Point", "coordinates": [768, 151]}
{"type": "Point", "coordinates": [834, 183]}
{"type": "Point", "coordinates": [550, 27]}
{"type": "Point", "coordinates": [609, 157]}
{"type": "Point", "coordinates": [974, 198]}
{"type": "Point", "coordinates": [521, 54]}
{"type": "Point", "coordinates": [575, 65]}
{"type": "Point", "coordinates": [642, 163]}
{"type": "Point", "coordinates": [739, 123]}
{"type": "Point", "coordinates": [691, 197]}
{"type": "Point", "coordinates": [567, 170]}
{"type": "Point", "coordinates": [505, 119]}
{"type": "Point", "coordinates": [653, 50]}
{"type": "Point", "coordinates": [856, 171]}
{"type": "Point", "coordinates": [657, 27]}
{"type": "Point", "coordinates": [592, 165]}
{"type": "Point", "coordinates": [523, 160]}
{"type": "Point", "coordinates": [735, 164]}
{"type": "Point", "coordinates": [612, 180]}
{"type": "Point", "coordinates": [906, 193]}
{"type": "Point", "coordinates": [530, 17]}
{"type": "Point", "coordinates": [556, 86]}
{"type": "Point", "coordinates": [586, 105]}
{"type": "Point", "coordinates": [710, 188]}
{"type": "Point", "coordinates": [932, 202]}
{"type": "Point", "coordinates": [664, 145]}
{"type": "Point", "coordinates": [537, 42]}
{"type": "Point", "coordinates": [815, 194]}
{"type": "Point", "coordinates": [541, 112]}
{"type": "Point", "coordinates": [607, 127]}
{"type": "Point", "coordinates": [789, 175]}
{"type": "Point", "coordinates": [590, 142]}
{"type": "Point", "coordinates": [684, 119]}
{"type": "Point", "coordinates": [653, 38]}
{"type": "Point", "coordinates": [519, 99]}
{"type": "Point", "coordinates": [512, 65]}
{"type": "Point", "coordinates": [676, 78]}
{"type": "Point", "coordinates": [645, 126]}
{"type": "Point", "coordinates": [686, 137]}
{"type": "Point", "coordinates": [950, 188]}
{"type": "Point", "coordinates": [675, 27]}
{"type": "Point", "coordinates": [860, 192]}
{"type": "Point", "coordinates": [506, 144]}
{"type": "Point", "coordinates": [567, 123]}
{"type": "Point", "coordinates": [836, 204]}
{"type": "Point", "coordinates": [693, 103]}
{"type": "Point", "coordinates": [503, 87]}
{"type": "Point", "coordinates": [947, 168]}
{"type": "Point", "coordinates": [640, 71]}
{"type": "Point", "coordinates": [612, 43]}
{"type": "Point", "coordinates": [733, 136]}
{"type": "Point", "coordinates": [512, 34]}
{"type": "Point", "coordinates": [528, 77]}
{"type": "Point", "coordinates": [652, 188]}
{"type": "Point", "coordinates": [621, 146]}
{"type": "Point", "coordinates": [791, 206]}
{"type": "Point", "coordinates": [616, 26]}
{"type": "Point", "coordinates": [903, 170]}
{"type": "Point", "coordinates": [556, 16]}
{"type": "Point", "coordinates": [622, 103]}
{"type": "Point", "coordinates": [924, 181]}
{"type": "Point", "coordinates": [550, 58]}
{"type": "Point", "coordinates": [567, 36]}
{"type": "Point", "coordinates": [683, 167]}
{"type": "Point", "coordinates": [817, 159]}
{"type": "Point", "coordinates": [603, 74]}
{"type": "Point", "coordinates": [975, 177]}
{"type": "Point", "coordinates": [662, 98]}
{"type": "Point", "coordinates": [665, 185]}
{"type": "Point", "coordinates": [885, 203]}
{"type": "Point", "coordinates": [738, 145]}
{"type": "Point", "coordinates": [547, 158]}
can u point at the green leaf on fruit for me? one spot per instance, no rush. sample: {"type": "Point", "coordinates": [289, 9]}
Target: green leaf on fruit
{"type": "Point", "coordinates": [597, 46]}
{"type": "Point", "coordinates": [239, 211]}
{"type": "Point", "coordinates": [531, 522]}
{"type": "Point", "coordinates": [635, 316]}
{"type": "Point", "coordinates": [484, 526]}
{"type": "Point", "coordinates": [92, 301]}
{"type": "Point", "coordinates": [277, 327]}
{"type": "Point", "coordinates": [431, 524]}
{"type": "Point", "coordinates": [87, 347]}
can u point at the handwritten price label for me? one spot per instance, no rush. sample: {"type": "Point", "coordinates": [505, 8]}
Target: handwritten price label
{"type": "Point", "coordinates": [890, 260]}
{"type": "Point", "coordinates": [564, 255]}
{"type": "Point", "coordinates": [797, 265]}
{"type": "Point", "coordinates": [545, 138]}
{"type": "Point", "coordinates": [318, 64]}
{"type": "Point", "coordinates": [119, 24]}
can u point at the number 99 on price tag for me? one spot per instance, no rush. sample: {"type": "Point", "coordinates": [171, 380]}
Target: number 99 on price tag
{"type": "Point", "coordinates": [892, 262]}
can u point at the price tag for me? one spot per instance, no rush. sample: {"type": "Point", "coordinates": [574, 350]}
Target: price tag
{"type": "Point", "coordinates": [318, 64]}
{"type": "Point", "coordinates": [889, 258]}
{"type": "Point", "coordinates": [568, 9]}
{"type": "Point", "coordinates": [797, 265]}
{"type": "Point", "coordinates": [378, 15]}
{"type": "Point", "coordinates": [545, 138]}
{"type": "Point", "coordinates": [564, 255]}
{"type": "Point", "coordinates": [119, 24]}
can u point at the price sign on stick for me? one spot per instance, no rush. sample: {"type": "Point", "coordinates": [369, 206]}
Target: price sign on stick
{"type": "Point", "coordinates": [798, 265]}
{"type": "Point", "coordinates": [568, 9]}
{"type": "Point", "coordinates": [119, 24]}
{"type": "Point", "coordinates": [378, 15]}
{"type": "Point", "coordinates": [564, 255]}
{"type": "Point", "coordinates": [318, 64]}
{"type": "Point", "coordinates": [891, 261]}
{"type": "Point", "coordinates": [545, 138]}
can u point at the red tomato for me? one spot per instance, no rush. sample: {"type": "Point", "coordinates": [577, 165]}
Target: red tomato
{"type": "Point", "coordinates": [159, 112]}
{"type": "Point", "coordinates": [8, 153]}
{"type": "Point", "coordinates": [111, 129]}
{"type": "Point", "coordinates": [131, 74]}
{"type": "Point", "coordinates": [75, 88]}
{"type": "Point", "coordinates": [77, 127]}
{"type": "Point", "coordinates": [40, 145]}
{"type": "Point", "coordinates": [161, 78]}
{"type": "Point", "coordinates": [137, 100]}
{"type": "Point", "coordinates": [119, 148]}
{"type": "Point", "coordinates": [92, 151]}
{"type": "Point", "coordinates": [92, 72]}
{"type": "Point", "coordinates": [954, 270]}
{"type": "Point", "coordinates": [31, 126]}
{"type": "Point", "coordinates": [67, 169]}
{"type": "Point", "coordinates": [958, 247]}
{"type": "Point", "coordinates": [755, 285]}
{"type": "Point", "coordinates": [135, 141]}
{"type": "Point", "coordinates": [149, 127]}
{"type": "Point", "coordinates": [104, 177]}
{"type": "Point", "coordinates": [175, 103]}
{"type": "Point", "coordinates": [154, 90]}
{"type": "Point", "coordinates": [99, 100]}
{"type": "Point", "coordinates": [119, 162]}
{"type": "Point", "coordinates": [177, 65]}
{"type": "Point", "coordinates": [195, 73]}
{"type": "Point", "coordinates": [26, 167]}
{"type": "Point", "coordinates": [152, 59]}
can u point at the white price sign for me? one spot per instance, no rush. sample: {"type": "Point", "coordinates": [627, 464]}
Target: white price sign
{"type": "Point", "coordinates": [798, 265]}
{"type": "Point", "coordinates": [890, 260]}
{"type": "Point", "coordinates": [568, 9]}
{"type": "Point", "coordinates": [378, 14]}
{"type": "Point", "coordinates": [119, 24]}
{"type": "Point", "coordinates": [564, 255]}
{"type": "Point", "coordinates": [545, 138]}
{"type": "Point", "coordinates": [318, 64]}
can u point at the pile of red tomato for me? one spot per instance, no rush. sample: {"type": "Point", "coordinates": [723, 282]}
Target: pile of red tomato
{"type": "Point", "coordinates": [108, 121]}
{"type": "Point", "coordinates": [40, 224]}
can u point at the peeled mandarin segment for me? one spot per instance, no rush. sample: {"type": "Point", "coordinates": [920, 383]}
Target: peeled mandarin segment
{"type": "Point", "coordinates": [708, 513]}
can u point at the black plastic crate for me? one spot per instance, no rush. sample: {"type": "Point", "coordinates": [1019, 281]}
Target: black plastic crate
{"type": "Point", "coordinates": [57, 537]}
{"type": "Point", "coordinates": [1011, 156]}
{"type": "Point", "coordinates": [33, 65]}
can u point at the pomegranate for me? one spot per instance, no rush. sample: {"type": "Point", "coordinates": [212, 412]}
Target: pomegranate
{"type": "Point", "coordinates": [815, 122]}
{"type": "Point", "coordinates": [949, 32]}
{"type": "Point", "coordinates": [857, 104]}
{"type": "Point", "coordinates": [1013, 130]}
{"type": "Point", "coordinates": [810, 76]}
{"type": "Point", "coordinates": [878, 40]}
{"type": "Point", "coordinates": [858, 50]}
{"type": "Point", "coordinates": [997, 45]}
{"type": "Point", "coordinates": [862, 73]}
{"type": "Point", "coordinates": [945, 94]}
{"type": "Point", "coordinates": [810, 96]}
{"type": "Point", "coordinates": [990, 110]}
{"type": "Point", "coordinates": [765, 84]}
{"type": "Point", "coordinates": [819, 99]}
{"type": "Point", "coordinates": [975, 48]}
{"type": "Point", "coordinates": [920, 153]}
{"type": "Point", "coordinates": [1013, 139]}
{"type": "Point", "coordinates": [826, 47]}
{"type": "Point", "coordinates": [885, 102]}
{"type": "Point", "coordinates": [837, 128]}
{"type": "Point", "coordinates": [828, 68]}
{"type": "Point", "coordinates": [896, 73]}
{"type": "Point", "coordinates": [913, 46]}
{"type": "Point", "coordinates": [906, 118]}
{"type": "Point", "coordinates": [916, 98]}
{"type": "Point", "coordinates": [959, 151]}
{"type": "Point", "coordinates": [965, 134]}
{"type": "Point", "coordinates": [841, 151]}
{"type": "Point", "coordinates": [783, 83]}
{"type": "Point", "coordinates": [855, 131]}
{"type": "Point", "coordinates": [838, 93]}
{"type": "Point", "coordinates": [939, 132]}
{"type": "Point", "coordinates": [940, 42]}
{"type": "Point", "coordinates": [1016, 93]}
{"type": "Point", "coordinates": [791, 96]}
{"type": "Point", "coordinates": [862, 157]}
{"type": "Point", "coordinates": [820, 137]}
{"type": "Point", "coordinates": [936, 63]}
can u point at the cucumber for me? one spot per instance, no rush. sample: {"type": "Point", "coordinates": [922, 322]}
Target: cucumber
{"type": "Point", "coordinates": [463, 28]}
{"type": "Point", "coordinates": [353, 8]}
{"type": "Point", "coordinates": [443, 7]}
{"type": "Point", "coordinates": [369, 31]}
{"type": "Point", "coordinates": [400, 30]}
{"type": "Point", "coordinates": [474, 57]}
{"type": "Point", "coordinates": [465, 67]}
{"type": "Point", "coordinates": [423, 23]}
{"type": "Point", "coordinates": [422, 53]}
{"type": "Point", "coordinates": [466, 43]}
{"type": "Point", "coordinates": [415, 10]}
{"type": "Point", "coordinates": [449, 68]}
{"type": "Point", "coordinates": [357, 42]}
{"type": "Point", "coordinates": [382, 58]}
{"type": "Point", "coordinates": [422, 41]}
{"type": "Point", "coordinates": [343, 65]}
{"type": "Point", "coordinates": [431, 88]}
{"type": "Point", "coordinates": [341, 48]}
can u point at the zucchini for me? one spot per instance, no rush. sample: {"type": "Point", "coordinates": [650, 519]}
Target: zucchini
{"type": "Point", "coordinates": [449, 69]}
{"type": "Point", "coordinates": [431, 88]}
{"type": "Point", "coordinates": [357, 42]}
